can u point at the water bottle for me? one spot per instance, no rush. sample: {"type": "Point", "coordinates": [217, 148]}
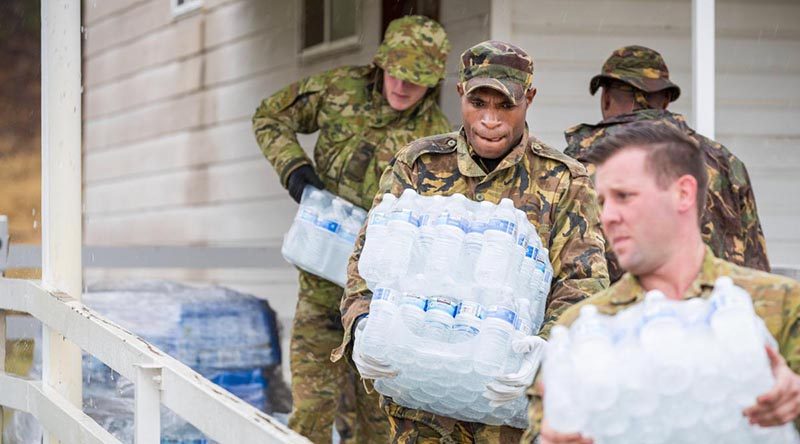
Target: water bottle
{"type": "Point", "coordinates": [403, 225]}
{"type": "Point", "coordinates": [527, 270]}
{"type": "Point", "coordinates": [411, 312]}
{"type": "Point", "coordinates": [523, 327]}
{"type": "Point", "coordinates": [382, 310]}
{"type": "Point", "coordinates": [439, 314]}
{"type": "Point", "coordinates": [735, 326]}
{"type": "Point", "coordinates": [376, 238]}
{"type": "Point", "coordinates": [662, 336]}
{"type": "Point", "coordinates": [426, 233]}
{"type": "Point", "coordinates": [467, 322]}
{"type": "Point", "coordinates": [336, 269]}
{"type": "Point", "coordinates": [637, 397]}
{"type": "Point", "coordinates": [562, 410]}
{"type": "Point", "coordinates": [498, 246]}
{"type": "Point", "coordinates": [473, 241]}
{"type": "Point", "coordinates": [593, 354]}
{"type": "Point", "coordinates": [449, 231]}
{"type": "Point", "coordinates": [524, 230]}
{"type": "Point", "coordinates": [543, 257]}
{"type": "Point", "coordinates": [495, 335]}
{"type": "Point", "coordinates": [327, 226]}
{"type": "Point", "coordinates": [303, 235]}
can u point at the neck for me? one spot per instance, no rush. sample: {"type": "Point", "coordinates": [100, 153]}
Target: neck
{"type": "Point", "coordinates": [677, 273]}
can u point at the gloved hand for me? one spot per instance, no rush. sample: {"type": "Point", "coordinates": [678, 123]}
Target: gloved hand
{"type": "Point", "coordinates": [506, 388]}
{"type": "Point", "coordinates": [369, 367]}
{"type": "Point", "coordinates": [305, 175]}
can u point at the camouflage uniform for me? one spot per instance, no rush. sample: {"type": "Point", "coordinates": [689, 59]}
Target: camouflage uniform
{"type": "Point", "coordinates": [556, 194]}
{"type": "Point", "coordinates": [730, 224]}
{"type": "Point", "coordinates": [776, 300]}
{"type": "Point", "coordinates": [359, 133]}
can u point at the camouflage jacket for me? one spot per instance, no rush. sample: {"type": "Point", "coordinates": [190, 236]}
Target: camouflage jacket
{"type": "Point", "coordinates": [730, 220]}
{"type": "Point", "coordinates": [776, 300]}
{"type": "Point", "coordinates": [554, 191]}
{"type": "Point", "coordinates": [359, 132]}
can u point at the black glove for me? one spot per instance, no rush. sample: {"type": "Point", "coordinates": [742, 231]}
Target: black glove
{"type": "Point", "coordinates": [301, 177]}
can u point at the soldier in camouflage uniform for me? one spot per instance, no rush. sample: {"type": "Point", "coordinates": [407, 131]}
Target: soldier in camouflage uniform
{"type": "Point", "coordinates": [651, 184]}
{"type": "Point", "coordinates": [493, 157]}
{"type": "Point", "coordinates": [364, 114]}
{"type": "Point", "coordinates": [636, 87]}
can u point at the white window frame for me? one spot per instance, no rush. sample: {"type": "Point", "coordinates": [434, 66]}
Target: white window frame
{"type": "Point", "coordinates": [187, 7]}
{"type": "Point", "coordinates": [328, 47]}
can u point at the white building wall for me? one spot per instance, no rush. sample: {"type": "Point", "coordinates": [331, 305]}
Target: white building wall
{"type": "Point", "coordinates": [758, 82]}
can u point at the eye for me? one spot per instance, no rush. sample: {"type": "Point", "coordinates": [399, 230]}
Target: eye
{"type": "Point", "coordinates": [508, 106]}
{"type": "Point", "coordinates": [622, 196]}
{"type": "Point", "coordinates": [476, 103]}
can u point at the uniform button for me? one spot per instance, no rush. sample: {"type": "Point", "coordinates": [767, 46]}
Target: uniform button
{"type": "Point", "coordinates": [479, 197]}
{"type": "Point", "coordinates": [451, 142]}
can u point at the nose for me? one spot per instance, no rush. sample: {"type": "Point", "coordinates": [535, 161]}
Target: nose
{"type": "Point", "coordinates": [490, 120]}
{"type": "Point", "coordinates": [609, 214]}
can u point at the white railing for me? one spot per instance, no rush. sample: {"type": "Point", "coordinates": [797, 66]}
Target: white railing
{"type": "Point", "coordinates": [158, 378]}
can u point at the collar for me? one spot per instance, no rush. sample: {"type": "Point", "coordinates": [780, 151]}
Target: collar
{"type": "Point", "coordinates": [629, 290]}
{"type": "Point", "coordinates": [467, 165]}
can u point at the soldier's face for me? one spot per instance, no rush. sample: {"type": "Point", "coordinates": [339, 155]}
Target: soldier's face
{"type": "Point", "coordinates": [492, 123]}
{"type": "Point", "coordinates": [400, 94]}
{"type": "Point", "coordinates": [639, 218]}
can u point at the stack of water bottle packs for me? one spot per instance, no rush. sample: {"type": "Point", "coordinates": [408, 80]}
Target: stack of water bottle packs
{"type": "Point", "coordinates": [454, 282]}
{"type": "Point", "coordinates": [323, 234]}
{"type": "Point", "coordinates": [227, 337]}
{"type": "Point", "coordinates": [663, 371]}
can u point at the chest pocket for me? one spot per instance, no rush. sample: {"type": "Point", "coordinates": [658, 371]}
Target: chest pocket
{"type": "Point", "coordinates": [333, 149]}
{"type": "Point", "coordinates": [356, 167]}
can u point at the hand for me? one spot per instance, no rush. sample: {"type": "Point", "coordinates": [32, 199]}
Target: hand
{"type": "Point", "coordinates": [506, 388]}
{"type": "Point", "coordinates": [369, 367]}
{"type": "Point", "coordinates": [782, 403]}
{"type": "Point", "coordinates": [550, 436]}
{"type": "Point", "coordinates": [301, 177]}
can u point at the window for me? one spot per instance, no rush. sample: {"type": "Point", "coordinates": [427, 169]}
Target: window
{"type": "Point", "coordinates": [183, 7]}
{"type": "Point", "coordinates": [329, 26]}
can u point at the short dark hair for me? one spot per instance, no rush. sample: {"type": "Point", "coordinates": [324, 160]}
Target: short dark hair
{"type": "Point", "coordinates": [670, 153]}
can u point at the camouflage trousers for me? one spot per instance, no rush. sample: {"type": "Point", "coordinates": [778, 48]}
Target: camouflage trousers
{"type": "Point", "coordinates": [410, 426]}
{"type": "Point", "coordinates": [324, 391]}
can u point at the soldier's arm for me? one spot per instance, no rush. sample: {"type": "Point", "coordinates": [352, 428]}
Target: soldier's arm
{"type": "Point", "coordinates": [357, 297]}
{"type": "Point", "coordinates": [279, 119]}
{"type": "Point", "coordinates": [755, 246]}
{"type": "Point", "coordinates": [576, 249]}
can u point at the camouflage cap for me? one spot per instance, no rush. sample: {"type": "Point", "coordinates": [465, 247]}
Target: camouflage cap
{"type": "Point", "coordinates": [640, 67]}
{"type": "Point", "coordinates": [497, 65]}
{"type": "Point", "coordinates": [414, 49]}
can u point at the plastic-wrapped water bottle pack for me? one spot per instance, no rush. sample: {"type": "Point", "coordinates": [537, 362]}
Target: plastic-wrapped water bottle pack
{"type": "Point", "coordinates": [323, 235]}
{"type": "Point", "coordinates": [663, 371]}
{"type": "Point", "coordinates": [454, 282]}
{"type": "Point", "coordinates": [227, 337]}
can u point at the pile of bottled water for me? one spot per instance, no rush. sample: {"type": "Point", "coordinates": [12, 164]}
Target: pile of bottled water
{"type": "Point", "coordinates": [227, 337]}
{"type": "Point", "coordinates": [323, 235]}
{"type": "Point", "coordinates": [663, 371]}
{"type": "Point", "coordinates": [454, 282]}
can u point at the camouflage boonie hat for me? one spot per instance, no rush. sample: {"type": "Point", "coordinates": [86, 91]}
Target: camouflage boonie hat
{"type": "Point", "coordinates": [414, 49]}
{"type": "Point", "coordinates": [640, 67]}
{"type": "Point", "coordinates": [497, 65]}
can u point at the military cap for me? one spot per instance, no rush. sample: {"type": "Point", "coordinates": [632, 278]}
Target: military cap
{"type": "Point", "coordinates": [640, 67]}
{"type": "Point", "coordinates": [414, 49]}
{"type": "Point", "coordinates": [497, 65]}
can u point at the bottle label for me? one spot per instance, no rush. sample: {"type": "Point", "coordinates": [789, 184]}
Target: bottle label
{"type": "Point", "coordinates": [503, 313]}
{"type": "Point", "coordinates": [383, 294]}
{"type": "Point", "coordinates": [502, 225]}
{"type": "Point", "coordinates": [328, 225]}
{"type": "Point", "coordinates": [465, 328]}
{"type": "Point", "coordinates": [347, 236]}
{"type": "Point", "coordinates": [442, 304]}
{"type": "Point", "coordinates": [378, 218]}
{"type": "Point", "coordinates": [524, 326]}
{"type": "Point", "coordinates": [414, 301]}
{"type": "Point", "coordinates": [308, 215]}
{"type": "Point", "coordinates": [452, 220]}
{"type": "Point", "coordinates": [469, 308]}
{"type": "Point", "coordinates": [531, 252]}
{"type": "Point", "coordinates": [477, 227]}
{"type": "Point", "coordinates": [404, 216]}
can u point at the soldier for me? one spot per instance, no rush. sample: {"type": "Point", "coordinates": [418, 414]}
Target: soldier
{"type": "Point", "coordinates": [364, 114]}
{"type": "Point", "coordinates": [651, 185]}
{"type": "Point", "coordinates": [636, 87]}
{"type": "Point", "coordinates": [491, 157]}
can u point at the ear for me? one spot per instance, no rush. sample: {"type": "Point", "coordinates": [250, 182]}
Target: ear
{"type": "Point", "coordinates": [686, 193]}
{"type": "Point", "coordinates": [529, 95]}
{"type": "Point", "coordinates": [605, 100]}
{"type": "Point", "coordinates": [460, 89]}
